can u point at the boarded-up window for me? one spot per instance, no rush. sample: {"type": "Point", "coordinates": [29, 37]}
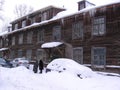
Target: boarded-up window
{"type": "Point", "coordinates": [99, 26]}
{"type": "Point", "coordinates": [57, 33]}
{"type": "Point", "coordinates": [77, 30]}
{"type": "Point", "coordinates": [78, 54]}
{"type": "Point", "coordinates": [98, 55]}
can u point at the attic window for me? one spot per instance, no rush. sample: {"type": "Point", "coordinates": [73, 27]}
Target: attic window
{"type": "Point", "coordinates": [16, 26]}
{"type": "Point", "coordinates": [23, 23]}
{"type": "Point", "coordinates": [44, 16]}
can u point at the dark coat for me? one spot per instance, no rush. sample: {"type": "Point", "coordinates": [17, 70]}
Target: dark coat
{"type": "Point", "coordinates": [40, 65]}
{"type": "Point", "coordinates": [35, 67]}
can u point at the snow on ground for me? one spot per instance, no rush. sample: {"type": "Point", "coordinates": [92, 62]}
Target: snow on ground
{"type": "Point", "coordinates": [20, 78]}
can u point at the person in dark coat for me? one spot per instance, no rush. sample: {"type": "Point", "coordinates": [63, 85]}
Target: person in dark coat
{"type": "Point", "coordinates": [35, 67]}
{"type": "Point", "coordinates": [40, 66]}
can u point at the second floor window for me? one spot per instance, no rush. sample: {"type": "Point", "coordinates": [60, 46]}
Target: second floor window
{"type": "Point", "coordinates": [20, 40]}
{"type": "Point", "coordinates": [1, 42]}
{"type": "Point", "coordinates": [29, 37]}
{"type": "Point", "coordinates": [13, 40]}
{"type": "Point", "coordinates": [77, 30]}
{"type": "Point", "coordinates": [40, 35]}
{"type": "Point", "coordinates": [57, 33]}
{"type": "Point", "coordinates": [23, 23]}
{"type": "Point", "coordinates": [99, 26]}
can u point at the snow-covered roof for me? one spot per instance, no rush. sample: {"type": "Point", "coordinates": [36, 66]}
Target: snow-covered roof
{"type": "Point", "coordinates": [37, 11]}
{"type": "Point", "coordinates": [62, 15]}
{"type": "Point", "coordinates": [51, 44]}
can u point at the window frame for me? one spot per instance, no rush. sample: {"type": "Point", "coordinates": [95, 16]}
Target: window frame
{"type": "Point", "coordinates": [20, 53]}
{"type": "Point", "coordinates": [97, 25]}
{"type": "Point", "coordinates": [29, 37]}
{"type": "Point", "coordinates": [23, 23]}
{"type": "Point", "coordinates": [42, 56]}
{"type": "Point", "coordinates": [77, 30]}
{"type": "Point", "coordinates": [16, 26]}
{"type": "Point", "coordinates": [98, 57]}
{"type": "Point", "coordinates": [57, 33]}
{"type": "Point", "coordinates": [13, 40]}
{"type": "Point", "coordinates": [20, 39]}
{"type": "Point", "coordinates": [40, 36]}
{"type": "Point", "coordinates": [29, 53]}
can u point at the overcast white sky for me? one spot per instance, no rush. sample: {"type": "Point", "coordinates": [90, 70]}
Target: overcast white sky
{"type": "Point", "coordinates": [37, 4]}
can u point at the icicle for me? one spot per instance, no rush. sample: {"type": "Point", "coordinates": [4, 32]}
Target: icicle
{"type": "Point", "coordinates": [92, 12]}
{"type": "Point", "coordinates": [62, 21]}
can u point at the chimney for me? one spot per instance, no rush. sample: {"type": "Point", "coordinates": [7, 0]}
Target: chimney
{"type": "Point", "coordinates": [84, 4]}
{"type": "Point", "coordinates": [9, 29]}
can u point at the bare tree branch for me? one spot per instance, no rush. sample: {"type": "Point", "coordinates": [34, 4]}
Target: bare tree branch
{"type": "Point", "coordinates": [22, 9]}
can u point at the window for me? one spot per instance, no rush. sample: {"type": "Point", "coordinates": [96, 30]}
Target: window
{"type": "Point", "coordinates": [16, 26]}
{"type": "Point", "coordinates": [20, 53]}
{"type": "Point", "coordinates": [77, 30]}
{"type": "Point", "coordinates": [32, 20]}
{"type": "Point", "coordinates": [41, 54]}
{"type": "Point", "coordinates": [40, 35]}
{"type": "Point", "coordinates": [6, 41]}
{"type": "Point", "coordinates": [12, 54]}
{"type": "Point", "coordinates": [44, 16]}
{"type": "Point", "coordinates": [81, 6]}
{"type": "Point", "coordinates": [20, 40]}
{"type": "Point", "coordinates": [29, 37]}
{"type": "Point", "coordinates": [99, 26]}
{"type": "Point", "coordinates": [29, 54]}
{"type": "Point", "coordinates": [13, 40]}
{"type": "Point", "coordinates": [98, 55]}
{"type": "Point", "coordinates": [1, 43]}
{"type": "Point", "coordinates": [78, 54]}
{"type": "Point", "coordinates": [23, 23]}
{"type": "Point", "coordinates": [57, 33]}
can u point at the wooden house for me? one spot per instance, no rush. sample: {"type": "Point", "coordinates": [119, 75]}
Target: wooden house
{"type": "Point", "coordinates": [90, 36]}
